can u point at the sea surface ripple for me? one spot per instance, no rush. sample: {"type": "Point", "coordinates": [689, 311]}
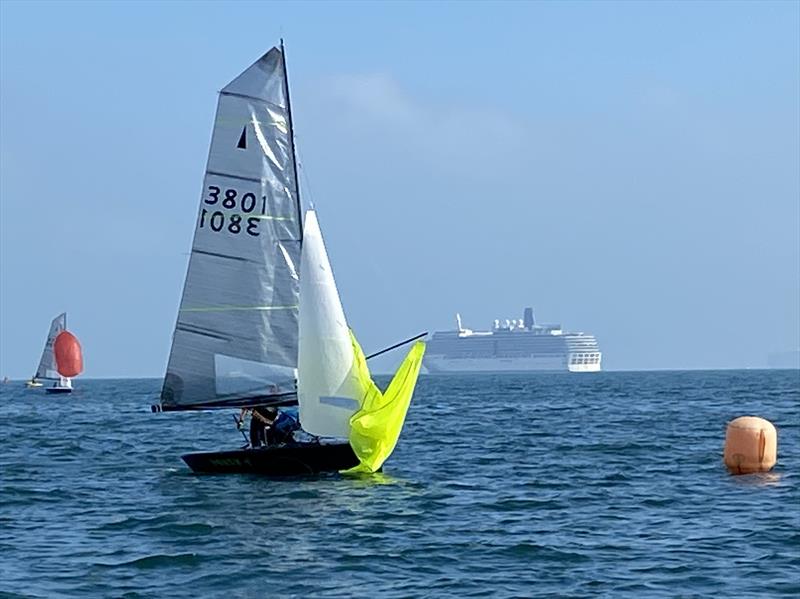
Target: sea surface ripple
{"type": "Point", "coordinates": [518, 486]}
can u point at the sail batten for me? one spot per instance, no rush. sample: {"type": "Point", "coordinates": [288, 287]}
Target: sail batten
{"type": "Point", "coordinates": [218, 255]}
{"type": "Point", "coordinates": [246, 97]}
{"type": "Point", "coordinates": [230, 176]}
{"type": "Point", "coordinates": [195, 331]}
{"type": "Point", "coordinates": [236, 334]}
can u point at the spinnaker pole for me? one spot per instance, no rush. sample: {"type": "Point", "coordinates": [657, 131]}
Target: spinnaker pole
{"type": "Point", "coordinates": [396, 345]}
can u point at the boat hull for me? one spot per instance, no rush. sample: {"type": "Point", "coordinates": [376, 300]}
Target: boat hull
{"type": "Point", "coordinates": [285, 460]}
{"type": "Point", "coordinates": [440, 364]}
{"type": "Point", "coordinates": [58, 389]}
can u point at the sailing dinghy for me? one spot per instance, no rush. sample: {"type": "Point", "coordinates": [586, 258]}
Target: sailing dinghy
{"type": "Point", "coordinates": [260, 321]}
{"type": "Point", "coordinates": [47, 370]}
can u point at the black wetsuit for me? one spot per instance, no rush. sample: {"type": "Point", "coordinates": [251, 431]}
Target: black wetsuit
{"type": "Point", "coordinates": [258, 427]}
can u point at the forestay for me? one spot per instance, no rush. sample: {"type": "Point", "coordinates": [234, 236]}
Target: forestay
{"type": "Point", "coordinates": [47, 365]}
{"type": "Point", "coordinates": [235, 341]}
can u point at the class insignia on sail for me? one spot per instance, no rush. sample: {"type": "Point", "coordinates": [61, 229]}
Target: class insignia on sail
{"type": "Point", "coordinates": [261, 325]}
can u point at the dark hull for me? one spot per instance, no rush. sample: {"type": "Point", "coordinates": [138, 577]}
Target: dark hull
{"type": "Point", "coordinates": [286, 460]}
{"type": "Point", "coordinates": [58, 389]}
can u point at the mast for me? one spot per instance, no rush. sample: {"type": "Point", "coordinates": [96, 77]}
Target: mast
{"type": "Point", "coordinates": [291, 140]}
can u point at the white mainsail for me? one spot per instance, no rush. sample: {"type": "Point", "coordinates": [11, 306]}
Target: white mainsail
{"type": "Point", "coordinates": [47, 365]}
{"type": "Point", "coordinates": [235, 339]}
{"type": "Point", "coordinates": [327, 389]}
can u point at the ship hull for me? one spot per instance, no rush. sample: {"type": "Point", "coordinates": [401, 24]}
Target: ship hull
{"type": "Point", "coordinates": [443, 365]}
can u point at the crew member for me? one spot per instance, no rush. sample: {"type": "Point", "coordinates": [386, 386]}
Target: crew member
{"type": "Point", "coordinates": [282, 428]}
{"type": "Point", "coordinates": [261, 421]}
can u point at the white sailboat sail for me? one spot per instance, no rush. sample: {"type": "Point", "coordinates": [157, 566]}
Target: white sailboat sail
{"type": "Point", "coordinates": [235, 339]}
{"type": "Point", "coordinates": [47, 368]}
{"type": "Point", "coordinates": [327, 390]}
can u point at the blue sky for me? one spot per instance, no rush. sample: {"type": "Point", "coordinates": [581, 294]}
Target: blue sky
{"type": "Point", "coordinates": [628, 169]}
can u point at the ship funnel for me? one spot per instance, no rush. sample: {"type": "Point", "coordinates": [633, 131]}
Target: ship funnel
{"type": "Point", "coordinates": [528, 318]}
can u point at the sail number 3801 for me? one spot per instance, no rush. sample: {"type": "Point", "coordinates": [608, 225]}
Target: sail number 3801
{"type": "Point", "coordinates": [229, 199]}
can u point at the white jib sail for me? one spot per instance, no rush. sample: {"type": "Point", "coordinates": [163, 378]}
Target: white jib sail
{"type": "Point", "coordinates": [327, 391]}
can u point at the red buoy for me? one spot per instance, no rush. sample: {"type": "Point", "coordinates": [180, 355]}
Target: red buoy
{"type": "Point", "coordinates": [69, 359]}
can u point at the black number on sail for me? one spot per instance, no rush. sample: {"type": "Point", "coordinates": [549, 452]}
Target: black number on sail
{"type": "Point", "coordinates": [216, 222]}
{"type": "Point", "coordinates": [230, 199]}
{"type": "Point", "coordinates": [213, 194]}
{"type": "Point", "coordinates": [252, 202]}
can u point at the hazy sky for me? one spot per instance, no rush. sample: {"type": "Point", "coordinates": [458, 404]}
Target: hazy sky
{"type": "Point", "coordinates": [629, 169]}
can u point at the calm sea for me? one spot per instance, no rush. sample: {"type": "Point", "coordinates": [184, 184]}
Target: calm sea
{"type": "Point", "coordinates": [522, 486]}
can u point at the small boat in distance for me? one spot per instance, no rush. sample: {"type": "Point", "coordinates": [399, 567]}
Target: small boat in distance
{"type": "Point", "coordinates": [260, 323]}
{"type": "Point", "coordinates": [47, 369]}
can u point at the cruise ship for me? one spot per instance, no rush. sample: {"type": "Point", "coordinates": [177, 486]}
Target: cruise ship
{"type": "Point", "coordinates": [512, 346]}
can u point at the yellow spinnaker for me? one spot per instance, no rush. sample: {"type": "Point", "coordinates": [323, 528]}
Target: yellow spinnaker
{"type": "Point", "coordinates": [375, 428]}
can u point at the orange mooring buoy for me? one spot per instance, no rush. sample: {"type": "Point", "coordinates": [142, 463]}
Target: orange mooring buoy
{"type": "Point", "coordinates": [751, 445]}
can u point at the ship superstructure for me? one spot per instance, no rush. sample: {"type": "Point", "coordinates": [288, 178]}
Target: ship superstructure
{"type": "Point", "coordinates": [512, 346]}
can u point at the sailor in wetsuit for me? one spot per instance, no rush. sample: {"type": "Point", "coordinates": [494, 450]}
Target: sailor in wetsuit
{"type": "Point", "coordinates": [261, 420]}
{"type": "Point", "coordinates": [268, 426]}
{"type": "Point", "coordinates": [282, 429]}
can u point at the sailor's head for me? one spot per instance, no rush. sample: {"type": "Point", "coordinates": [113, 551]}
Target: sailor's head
{"type": "Point", "coordinates": [270, 412]}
